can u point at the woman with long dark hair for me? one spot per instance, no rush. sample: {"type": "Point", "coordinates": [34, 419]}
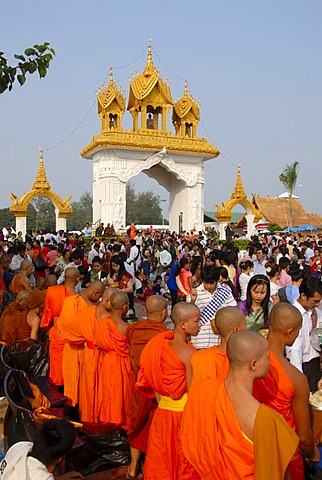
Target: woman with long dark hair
{"type": "Point", "coordinates": [183, 279]}
{"type": "Point", "coordinates": [121, 279]}
{"type": "Point", "coordinates": [257, 305]}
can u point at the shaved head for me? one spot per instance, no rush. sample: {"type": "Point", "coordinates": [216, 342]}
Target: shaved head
{"type": "Point", "coordinates": [229, 319]}
{"type": "Point", "coordinates": [118, 300]}
{"type": "Point", "coordinates": [284, 316]}
{"type": "Point", "coordinates": [108, 292]}
{"type": "Point", "coordinates": [41, 283]}
{"type": "Point", "coordinates": [182, 312]}
{"type": "Point", "coordinates": [22, 295]}
{"type": "Point", "coordinates": [51, 280]}
{"type": "Point", "coordinates": [96, 286]}
{"type": "Point", "coordinates": [244, 347]}
{"type": "Point", "coordinates": [4, 259]}
{"type": "Point", "coordinates": [25, 265]}
{"type": "Point", "coordinates": [71, 274]}
{"type": "Point", "coordinates": [154, 305]}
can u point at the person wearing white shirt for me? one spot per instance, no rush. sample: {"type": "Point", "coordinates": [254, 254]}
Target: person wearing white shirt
{"type": "Point", "coordinates": [95, 252]}
{"type": "Point", "coordinates": [301, 354]}
{"type": "Point", "coordinates": [18, 258]}
{"type": "Point", "coordinates": [134, 258]}
{"type": "Point", "coordinates": [87, 230]}
{"type": "Point", "coordinates": [246, 268]}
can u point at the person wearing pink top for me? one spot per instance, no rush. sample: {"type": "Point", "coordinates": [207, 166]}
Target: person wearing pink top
{"type": "Point", "coordinates": [285, 278]}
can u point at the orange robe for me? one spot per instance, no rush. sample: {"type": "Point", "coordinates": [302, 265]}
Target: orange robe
{"type": "Point", "coordinates": [209, 363]}
{"type": "Point", "coordinates": [55, 297]}
{"type": "Point", "coordinates": [79, 330]}
{"type": "Point", "coordinates": [276, 391]}
{"type": "Point", "coordinates": [115, 376]}
{"type": "Point", "coordinates": [142, 409]}
{"type": "Point", "coordinates": [214, 443]}
{"type": "Point", "coordinates": [16, 285]}
{"type": "Point", "coordinates": [163, 372]}
{"type": "Point", "coordinates": [13, 324]}
{"type": "Point", "coordinates": [73, 354]}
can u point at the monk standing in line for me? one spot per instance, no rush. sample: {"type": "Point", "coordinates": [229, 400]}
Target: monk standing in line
{"type": "Point", "coordinates": [116, 374]}
{"type": "Point", "coordinates": [21, 280]}
{"type": "Point", "coordinates": [55, 298]}
{"type": "Point", "coordinates": [226, 433]}
{"type": "Point", "coordinates": [166, 373]}
{"type": "Point", "coordinates": [73, 353]}
{"type": "Point", "coordinates": [80, 329]}
{"type": "Point", "coordinates": [213, 362]}
{"type": "Point", "coordinates": [13, 321]}
{"type": "Point", "coordinates": [142, 409]}
{"type": "Point", "coordinates": [286, 389]}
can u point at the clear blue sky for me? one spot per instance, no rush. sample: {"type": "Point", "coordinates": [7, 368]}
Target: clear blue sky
{"type": "Point", "coordinates": [254, 65]}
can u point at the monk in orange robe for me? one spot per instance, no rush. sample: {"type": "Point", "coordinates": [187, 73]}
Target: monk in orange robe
{"type": "Point", "coordinates": [80, 329]}
{"type": "Point", "coordinates": [13, 321]}
{"type": "Point", "coordinates": [142, 409]}
{"type": "Point", "coordinates": [213, 362]}
{"type": "Point", "coordinates": [285, 388]}
{"type": "Point", "coordinates": [226, 433]}
{"type": "Point", "coordinates": [116, 374]}
{"type": "Point", "coordinates": [55, 298]}
{"type": "Point", "coordinates": [73, 354]}
{"type": "Point", "coordinates": [21, 280]}
{"type": "Point", "coordinates": [166, 371]}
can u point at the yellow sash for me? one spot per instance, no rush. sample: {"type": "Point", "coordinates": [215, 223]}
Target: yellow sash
{"type": "Point", "coordinates": [166, 403]}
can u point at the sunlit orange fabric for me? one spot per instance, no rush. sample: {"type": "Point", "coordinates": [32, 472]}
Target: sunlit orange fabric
{"type": "Point", "coordinates": [79, 330]}
{"type": "Point", "coordinates": [13, 324]}
{"type": "Point", "coordinates": [209, 363]}
{"type": "Point", "coordinates": [276, 391]}
{"type": "Point", "coordinates": [162, 371]}
{"type": "Point", "coordinates": [214, 443]}
{"type": "Point", "coordinates": [115, 376]}
{"type": "Point", "coordinates": [142, 409]}
{"type": "Point", "coordinates": [16, 285]}
{"type": "Point", "coordinates": [73, 354]}
{"type": "Point", "coordinates": [55, 297]}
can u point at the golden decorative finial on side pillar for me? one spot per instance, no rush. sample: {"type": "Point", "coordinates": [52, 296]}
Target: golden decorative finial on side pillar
{"type": "Point", "coordinates": [41, 178]}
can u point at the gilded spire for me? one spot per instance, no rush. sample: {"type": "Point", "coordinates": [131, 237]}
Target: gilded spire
{"type": "Point", "coordinates": [185, 90]}
{"type": "Point", "coordinates": [41, 181]}
{"type": "Point", "coordinates": [239, 191]}
{"type": "Point", "coordinates": [149, 67]}
{"type": "Point", "coordinates": [111, 76]}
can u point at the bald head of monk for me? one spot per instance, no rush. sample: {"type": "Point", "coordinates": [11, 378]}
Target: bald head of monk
{"type": "Point", "coordinates": [229, 320]}
{"type": "Point", "coordinates": [156, 308]}
{"type": "Point", "coordinates": [41, 283]}
{"type": "Point", "coordinates": [119, 301]}
{"type": "Point", "coordinates": [248, 354]}
{"type": "Point", "coordinates": [5, 262]}
{"type": "Point", "coordinates": [51, 280]}
{"type": "Point", "coordinates": [94, 291]}
{"type": "Point", "coordinates": [105, 303]}
{"type": "Point", "coordinates": [22, 299]}
{"type": "Point", "coordinates": [26, 267]}
{"type": "Point", "coordinates": [71, 276]}
{"type": "Point", "coordinates": [186, 317]}
{"type": "Point", "coordinates": [285, 323]}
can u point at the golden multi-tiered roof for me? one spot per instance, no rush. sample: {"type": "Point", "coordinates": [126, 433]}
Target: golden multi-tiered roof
{"type": "Point", "coordinates": [149, 104]}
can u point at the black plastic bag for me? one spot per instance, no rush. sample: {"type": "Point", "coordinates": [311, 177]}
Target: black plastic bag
{"type": "Point", "coordinates": [104, 451]}
{"type": "Point", "coordinates": [31, 356]}
{"type": "Point", "coordinates": [40, 264]}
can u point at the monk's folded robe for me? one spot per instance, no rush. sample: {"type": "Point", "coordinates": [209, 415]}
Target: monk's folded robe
{"type": "Point", "coordinates": [115, 376]}
{"type": "Point", "coordinates": [73, 354]}
{"type": "Point", "coordinates": [214, 443]}
{"type": "Point", "coordinates": [13, 324]}
{"type": "Point", "coordinates": [55, 297]}
{"type": "Point", "coordinates": [80, 330]}
{"type": "Point", "coordinates": [277, 391]}
{"type": "Point", "coordinates": [142, 409]}
{"type": "Point", "coordinates": [163, 372]}
{"type": "Point", "coordinates": [209, 363]}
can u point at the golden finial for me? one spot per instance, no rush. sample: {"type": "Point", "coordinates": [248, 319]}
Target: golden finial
{"type": "Point", "coordinates": [150, 52]}
{"type": "Point", "coordinates": [41, 181]}
{"type": "Point", "coordinates": [111, 74]}
{"type": "Point", "coordinates": [239, 188]}
{"type": "Point", "coordinates": [185, 91]}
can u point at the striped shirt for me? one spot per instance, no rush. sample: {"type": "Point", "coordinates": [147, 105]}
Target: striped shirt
{"type": "Point", "coordinates": [223, 297]}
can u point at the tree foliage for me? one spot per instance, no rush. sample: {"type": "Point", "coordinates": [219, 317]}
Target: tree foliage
{"type": "Point", "coordinates": [7, 219]}
{"type": "Point", "coordinates": [82, 212]}
{"type": "Point", "coordinates": [289, 178]}
{"type": "Point", "coordinates": [142, 208]}
{"type": "Point", "coordinates": [41, 214]}
{"type": "Point", "coordinates": [35, 59]}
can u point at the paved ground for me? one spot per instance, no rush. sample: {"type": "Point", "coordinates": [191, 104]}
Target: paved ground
{"type": "Point", "coordinates": [115, 474]}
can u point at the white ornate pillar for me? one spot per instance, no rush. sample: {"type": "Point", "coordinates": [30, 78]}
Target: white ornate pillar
{"type": "Point", "coordinates": [21, 225]}
{"type": "Point", "coordinates": [222, 231]}
{"type": "Point", "coordinates": [250, 224]}
{"type": "Point", "coordinates": [61, 224]}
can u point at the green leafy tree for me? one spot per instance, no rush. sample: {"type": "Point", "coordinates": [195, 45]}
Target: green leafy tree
{"type": "Point", "coordinates": [142, 208]}
{"type": "Point", "coordinates": [82, 212]}
{"type": "Point", "coordinates": [41, 214]}
{"type": "Point", "coordinates": [274, 227]}
{"type": "Point", "coordinates": [35, 59]}
{"type": "Point", "coordinates": [289, 178]}
{"type": "Point", "coordinates": [7, 219]}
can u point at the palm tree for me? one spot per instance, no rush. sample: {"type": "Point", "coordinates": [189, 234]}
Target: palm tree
{"type": "Point", "coordinates": [289, 178]}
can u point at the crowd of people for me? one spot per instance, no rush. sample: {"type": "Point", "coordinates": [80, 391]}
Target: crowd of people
{"type": "Point", "coordinates": [202, 395]}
